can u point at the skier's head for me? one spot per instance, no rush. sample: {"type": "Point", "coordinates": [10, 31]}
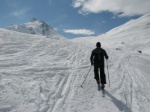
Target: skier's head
{"type": "Point", "coordinates": [98, 44]}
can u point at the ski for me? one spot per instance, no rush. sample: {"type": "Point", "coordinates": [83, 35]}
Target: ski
{"type": "Point", "coordinates": [103, 92]}
{"type": "Point", "coordinates": [101, 89]}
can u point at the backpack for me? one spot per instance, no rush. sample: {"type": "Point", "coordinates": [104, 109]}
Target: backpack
{"type": "Point", "coordinates": [98, 54]}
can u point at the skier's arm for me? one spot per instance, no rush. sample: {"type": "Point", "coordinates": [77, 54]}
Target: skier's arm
{"type": "Point", "coordinates": [105, 54]}
{"type": "Point", "coordinates": [91, 58]}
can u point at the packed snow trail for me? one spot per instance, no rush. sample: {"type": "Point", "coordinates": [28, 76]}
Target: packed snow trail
{"type": "Point", "coordinates": [130, 82]}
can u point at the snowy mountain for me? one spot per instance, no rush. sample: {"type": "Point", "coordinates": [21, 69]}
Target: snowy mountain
{"type": "Point", "coordinates": [45, 75]}
{"type": "Point", "coordinates": [36, 27]}
{"type": "Point", "coordinates": [129, 32]}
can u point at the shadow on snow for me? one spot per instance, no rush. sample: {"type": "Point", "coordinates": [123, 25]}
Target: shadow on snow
{"type": "Point", "coordinates": [119, 104]}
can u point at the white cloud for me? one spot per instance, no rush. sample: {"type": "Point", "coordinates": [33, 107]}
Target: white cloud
{"type": "Point", "coordinates": [103, 21]}
{"type": "Point", "coordinates": [119, 7]}
{"type": "Point", "coordinates": [20, 12]}
{"type": "Point", "coordinates": [80, 31]}
{"type": "Point", "coordinates": [78, 3]}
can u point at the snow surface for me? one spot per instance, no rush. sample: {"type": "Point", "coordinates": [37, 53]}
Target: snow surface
{"type": "Point", "coordinates": [39, 74]}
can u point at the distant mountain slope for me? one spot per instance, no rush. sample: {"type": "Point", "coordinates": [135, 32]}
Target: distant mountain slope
{"type": "Point", "coordinates": [139, 25]}
{"type": "Point", "coordinates": [134, 30]}
{"type": "Point", "coordinates": [36, 27]}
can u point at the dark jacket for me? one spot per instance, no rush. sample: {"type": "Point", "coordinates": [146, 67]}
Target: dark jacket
{"type": "Point", "coordinates": [97, 56]}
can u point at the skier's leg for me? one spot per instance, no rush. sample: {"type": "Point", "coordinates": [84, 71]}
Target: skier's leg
{"type": "Point", "coordinates": [96, 73]}
{"type": "Point", "coordinates": [102, 75]}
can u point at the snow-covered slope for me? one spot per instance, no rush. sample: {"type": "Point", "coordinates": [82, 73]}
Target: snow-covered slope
{"type": "Point", "coordinates": [44, 75]}
{"type": "Point", "coordinates": [36, 27]}
{"type": "Point", "coordinates": [37, 74]}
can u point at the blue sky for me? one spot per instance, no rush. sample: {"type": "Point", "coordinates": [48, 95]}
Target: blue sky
{"type": "Point", "coordinates": [73, 18]}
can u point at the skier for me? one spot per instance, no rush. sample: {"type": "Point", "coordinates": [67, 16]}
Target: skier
{"type": "Point", "coordinates": [97, 59]}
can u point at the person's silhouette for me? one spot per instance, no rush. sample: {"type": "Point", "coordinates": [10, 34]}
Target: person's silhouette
{"type": "Point", "coordinates": [97, 59]}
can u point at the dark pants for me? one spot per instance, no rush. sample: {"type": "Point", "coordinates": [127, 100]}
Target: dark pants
{"type": "Point", "coordinates": [102, 77]}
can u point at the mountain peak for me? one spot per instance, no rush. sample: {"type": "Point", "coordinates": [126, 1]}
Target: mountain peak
{"type": "Point", "coordinates": [36, 27]}
{"type": "Point", "coordinates": [38, 21]}
{"type": "Point", "coordinates": [33, 19]}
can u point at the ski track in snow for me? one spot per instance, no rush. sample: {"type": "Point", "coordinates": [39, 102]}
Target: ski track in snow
{"type": "Point", "coordinates": [38, 74]}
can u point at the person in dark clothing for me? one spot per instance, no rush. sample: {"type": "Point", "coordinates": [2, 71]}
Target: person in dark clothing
{"type": "Point", "coordinates": [97, 59]}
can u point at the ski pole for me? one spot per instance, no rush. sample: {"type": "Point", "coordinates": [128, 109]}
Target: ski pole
{"type": "Point", "coordinates": [108, 73]}
{"type": "Point", "coordinates": [86, 76]}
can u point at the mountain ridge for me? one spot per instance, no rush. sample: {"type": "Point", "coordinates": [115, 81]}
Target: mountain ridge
{"type": "Point", "coordinates": [36, 27]}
